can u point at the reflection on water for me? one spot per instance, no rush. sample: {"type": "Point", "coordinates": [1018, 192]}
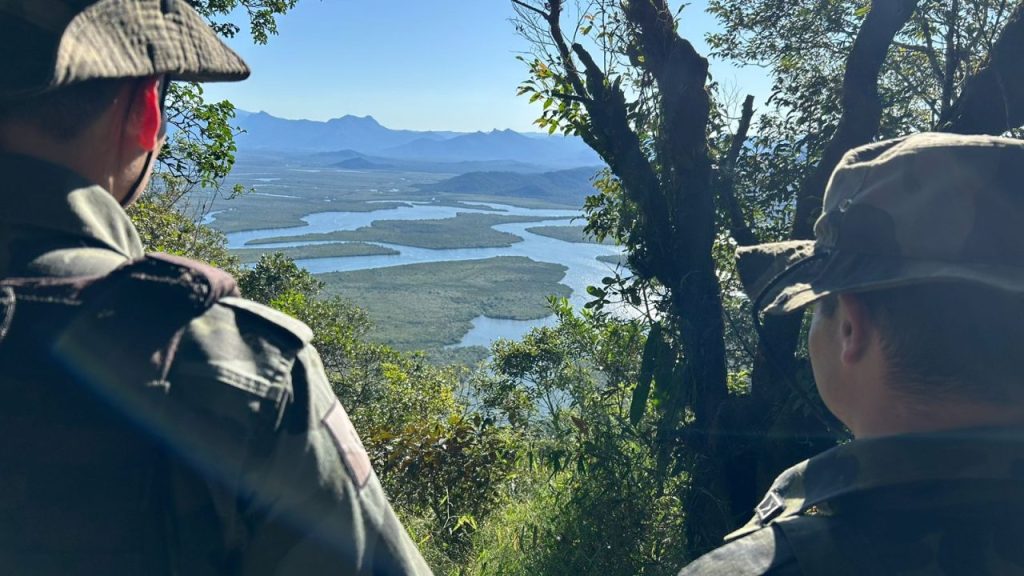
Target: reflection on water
{"type": "Point", "coordinates": [580, 259]}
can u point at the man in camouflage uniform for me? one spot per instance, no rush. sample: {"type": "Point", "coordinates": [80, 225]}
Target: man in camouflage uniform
{"type": "Point", "coordinates": [917, 277]}
{"type": "Point", "coordinates": [265, 473]}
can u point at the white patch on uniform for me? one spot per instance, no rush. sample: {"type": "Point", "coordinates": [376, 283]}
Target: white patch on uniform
{"type": "Point", "coordinates": [350, 447]}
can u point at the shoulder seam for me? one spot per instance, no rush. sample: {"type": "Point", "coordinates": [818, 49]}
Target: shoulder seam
{"type": "Point", "coordinates": [296, 328]}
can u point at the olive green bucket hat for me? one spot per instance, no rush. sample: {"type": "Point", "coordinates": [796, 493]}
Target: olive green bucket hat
{"type": "Point", "coordinates": [925, 208]}
{"type": "Point", "coordinates": [47, 44]}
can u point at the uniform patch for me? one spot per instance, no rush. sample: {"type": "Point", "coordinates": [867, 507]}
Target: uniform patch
{"type": "Point", "coordinates": [350, 447]}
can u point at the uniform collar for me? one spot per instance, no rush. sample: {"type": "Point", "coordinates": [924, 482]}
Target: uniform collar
{"type": "Point", "coordinates": [891, 462]}
{"type": "Point", "coordinates": [49, 197]}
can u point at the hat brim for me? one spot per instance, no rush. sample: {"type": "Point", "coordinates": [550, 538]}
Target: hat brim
{"type": "Point", "coordinates": [796, 277]}
{"type": "Point", "coordinates": [171, 38]}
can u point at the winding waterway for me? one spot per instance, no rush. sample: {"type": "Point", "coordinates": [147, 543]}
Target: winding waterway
{"type": "Point", "coordinates": [581, 259]}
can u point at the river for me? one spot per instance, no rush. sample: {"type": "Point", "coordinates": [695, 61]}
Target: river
{"type": "Point", "coordinates": [581, 259]}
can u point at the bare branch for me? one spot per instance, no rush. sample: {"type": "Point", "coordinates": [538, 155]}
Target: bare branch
{"type": "Point", "coordinates": [952, 58]}
{"type": "Point", "coordinates": [738, 226]}
{"type": "Point", "coordinates": [929, 50]}
{"type": "Point", "coordinates": [534, 9]}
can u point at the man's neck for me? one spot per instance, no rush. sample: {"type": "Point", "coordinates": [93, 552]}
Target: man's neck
{"type": "Point", "coordinates": [81, 155]}
{"type": "Point", "coordinates": [903, 414]}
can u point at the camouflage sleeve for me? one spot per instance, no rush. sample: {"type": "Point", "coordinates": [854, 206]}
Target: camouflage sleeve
{"type": "Point", "coordinates": [273, 478]}
{"type": "Point", "coordinates": [328, 513]}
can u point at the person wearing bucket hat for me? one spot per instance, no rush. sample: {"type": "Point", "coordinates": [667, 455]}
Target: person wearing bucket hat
{"type": "Point", "coordinates": [916, 277]}
{"type": "Point", "coordinates": [153, 422]}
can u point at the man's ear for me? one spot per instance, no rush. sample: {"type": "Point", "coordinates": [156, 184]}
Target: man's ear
{"type": "Point", "coordinates": [856, 329]}
{"type": "Point", "coordinates": [146, 117]}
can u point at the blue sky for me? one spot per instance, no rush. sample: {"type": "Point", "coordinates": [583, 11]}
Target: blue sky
{"type": "Point", "coordinates": [412, 64]}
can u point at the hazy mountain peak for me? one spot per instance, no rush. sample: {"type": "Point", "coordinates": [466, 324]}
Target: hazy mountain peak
{"type": "Point", "coordinates": [355, 120]}
{"type": "Point", "coordinates": [364, 135]}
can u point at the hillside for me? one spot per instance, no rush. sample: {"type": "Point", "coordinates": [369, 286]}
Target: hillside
{"type": "Point", "coordinates": [568, 187]}
{"type": "Point", "coordinates": [499, 145]}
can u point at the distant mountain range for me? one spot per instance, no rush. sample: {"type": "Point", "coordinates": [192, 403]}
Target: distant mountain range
{"type": "Point", "coordinates": [362, 143]}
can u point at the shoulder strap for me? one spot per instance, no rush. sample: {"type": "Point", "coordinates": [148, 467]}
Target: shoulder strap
{"type": "Point", "coordinates": [823, 545]}
{"type": "Point", "coordinates": [149, 301]}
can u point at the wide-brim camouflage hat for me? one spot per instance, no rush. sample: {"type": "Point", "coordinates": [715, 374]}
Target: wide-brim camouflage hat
{"type": "Point", "coordinates": [924, 208]}
{"type": "Point", "coordinates": [48, 44]}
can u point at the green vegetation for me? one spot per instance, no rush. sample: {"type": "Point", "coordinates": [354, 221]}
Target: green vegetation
{"type": "Point", "coordinates": [691, 176]}
{"type": "Point", "coordinates": [577, 234]}
{"type": "Point", "coordinates": [422, 306]}
{"type": "Point", "coordinates": [281, 194]}
{"type": "Point", "coordinates": [596, 498]}
{"type": "Point", "coordinates": [252, 212]}
{"type": "Point", "coordinates": [164, 228]}
{"type": "Point", "coordinates": [602, 445]}
{"type": "Point", "coordinates": [334, 250]}
{"type": "Point", "coordinates": [566, 187]}
{"type": "Point", "coordinates": [466, 230]}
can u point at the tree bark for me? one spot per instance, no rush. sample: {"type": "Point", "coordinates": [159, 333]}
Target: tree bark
{"type": "Point", "coordinates": [862, 113]}
{"type": "Point", "coordinates": [992, 101]}
{"type": "Point", "coordinates": [862, 109]}
{"type": "Point", "coordinates": [684, 106]}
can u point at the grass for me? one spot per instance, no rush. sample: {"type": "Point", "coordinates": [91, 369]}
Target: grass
{"type": "Point", "coordinates": [466, 230]}
{"type": "Point", "coordinates": [575, 234]}
{"type": "Point", "coordinates": [430, 306]}
{"type": "Point", "coordinates": [335, 250]}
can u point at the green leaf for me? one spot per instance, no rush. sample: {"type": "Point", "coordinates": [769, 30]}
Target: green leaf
{"type": "Point", "coordinates": [642, 392]}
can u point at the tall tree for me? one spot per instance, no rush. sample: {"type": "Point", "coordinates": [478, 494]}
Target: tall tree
{"type": "Point", "coordinates": [617, 73]}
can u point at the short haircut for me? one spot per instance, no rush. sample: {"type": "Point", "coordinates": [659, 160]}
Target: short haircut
{"type": "Point", "coordinates": [950, 340]}
{"type": "Point", "coordinates": [66, 112]}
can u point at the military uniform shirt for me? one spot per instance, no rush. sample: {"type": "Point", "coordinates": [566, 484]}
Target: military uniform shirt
{"type": "Point", "coordinates": [276, 480]}
{"type": "Point", "coordinates": [923, 504]}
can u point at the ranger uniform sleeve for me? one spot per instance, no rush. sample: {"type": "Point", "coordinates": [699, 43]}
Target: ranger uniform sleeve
{"type": "Point", "coordinates": [762, 553]}
{"type": "Point", "coordinates": [289, 479]}
{"type": "Point", "coordinates": [330, 515]}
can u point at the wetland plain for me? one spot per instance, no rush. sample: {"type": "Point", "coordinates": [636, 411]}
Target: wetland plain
{"type": "Point", "coordinates": [436, 271]}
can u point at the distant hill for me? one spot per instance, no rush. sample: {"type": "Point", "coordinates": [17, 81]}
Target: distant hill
{"type": "Point", "coordinates": [563, 186]}
{"type": "Point", "coordinates": [352, 160]}
{"type": "Point", "coordinates": [351, 137]}
{"type": "Point", "coordinates": [360, 163]}
{"type": "Point", "coordinates": [499, 145]}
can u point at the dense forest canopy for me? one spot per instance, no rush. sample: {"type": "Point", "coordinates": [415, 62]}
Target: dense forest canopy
{"type": "Point", "coordinates": [628, 446]}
